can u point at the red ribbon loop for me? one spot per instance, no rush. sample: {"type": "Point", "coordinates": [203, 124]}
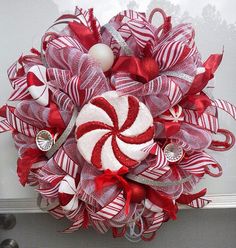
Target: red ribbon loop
{"type": "Point", "coordinates": [55, 118]}
{"type": "Point", "coordinates": [199, 103]}
{"type": "Point", "coordinates": [24, 164]}
{"type": "Point", "coordinates": [145, 69]}
{"type": "Point", "coordinates": [85, 35]}
{"type": "Point", "coordinates": [201, 80]}
{"type": "Point", "coordinates": [109, 178]}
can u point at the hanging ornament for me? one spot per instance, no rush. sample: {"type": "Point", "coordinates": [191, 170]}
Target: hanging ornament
{"type": "Point", "coordinates": [67, 193]}
{"type": "Point", "coordinates": [37, 84]}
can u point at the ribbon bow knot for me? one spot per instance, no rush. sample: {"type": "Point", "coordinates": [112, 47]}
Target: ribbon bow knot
{"type": "Point", "coordinates": [109, 178]}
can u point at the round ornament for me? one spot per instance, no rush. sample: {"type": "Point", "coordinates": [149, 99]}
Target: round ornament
{"type": "Point", "coordinates": [173, 152]}
{"type": "Point", "coordinates": [103, 55]}
{"type": "Point", "coordinates": [138, 192]}
{"type": "Point", "coordinates": [44, 140]}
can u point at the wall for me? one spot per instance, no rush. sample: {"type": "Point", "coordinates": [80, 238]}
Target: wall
{"type": "Point", "coordinates": [194, 229]}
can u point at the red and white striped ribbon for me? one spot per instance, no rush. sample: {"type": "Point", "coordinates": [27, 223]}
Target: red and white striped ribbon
{"type": "Point", "coordinates": [19, 125]}
{"type": "Point", "coordinates": [58, 77]}
{"type": "Point", "coordinates": [84, 16]}
{"type": "Point", "coordinates": [158, 166]}
{"type": "Point", "coordinates": [156, 221]}
{"type": "Point", "coordinates": [125, 85]}
{"type": "Point", "coordinates": [5, 126]}
{"type": "Point", "coordinates": [65, 41]}
{"type": "Point", "coordinates": [57, 212]}
{"type": "Point", "coordinates": [52, 191]}
{"type": "Point", "coordinates": [226, 106]}
{"type": "Point", "coordinates": [205, 121]}
{"type": "Point", "coordinates": [64, 161]}
{"type": "Point", "coordinates": [134, 26]}
{"type": "Point", "coordinates": [78, 95]}
{"type": "Point", "coordinates": [20, 92]}
{"type": "Point", "coordinates": [171, 53]}
{"type": "Point", "coordinates": [113, 208]}
{"type": "Point", "coordinates": [62, 100]}
{"type": "Point", "coordinates": [199, 203]}
{"type": "Point", "coordinates": [197, 163]}
{"type": "Point", "coordinates": [181, 33]}
{"type": "Point", "coordinates": [100, 226]}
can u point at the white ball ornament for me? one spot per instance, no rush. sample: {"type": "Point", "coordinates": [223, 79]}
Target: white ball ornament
{"type": "Point", "coordinates": [103, 55]}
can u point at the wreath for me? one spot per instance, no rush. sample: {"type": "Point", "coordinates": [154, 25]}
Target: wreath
{"type": "Point", "coordinates": [112, 122]}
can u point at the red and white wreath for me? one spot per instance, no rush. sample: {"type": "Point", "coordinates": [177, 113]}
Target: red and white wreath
{"type": "Point", "coordinates": [111, 123]}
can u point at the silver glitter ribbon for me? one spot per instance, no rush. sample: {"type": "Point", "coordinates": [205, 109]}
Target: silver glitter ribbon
{"type": "Point", "coordinates": [143, 180]}
{"type": "Point", "coordinates": [64, 135]}
{"type": "Point", "coordinates": [117, 36]}
{"type": "Point", "coordinates": [179, 75]}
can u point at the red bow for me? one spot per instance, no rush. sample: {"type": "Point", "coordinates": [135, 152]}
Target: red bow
{"type": "Point", "coordinates": [30, 156]}
{"type": "Point", "coordinates": [109, 178]}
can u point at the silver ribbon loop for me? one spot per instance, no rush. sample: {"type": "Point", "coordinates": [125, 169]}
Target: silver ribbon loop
{"type": "Point", "coordinates": [143, 180]}
{"type": "Point", "coordinates": [117, 36]}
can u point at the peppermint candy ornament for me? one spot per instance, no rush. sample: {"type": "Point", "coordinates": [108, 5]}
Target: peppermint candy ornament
{"type": "Point", "coordinates": [112, 131]}
{"type": "Point", "coordinates": [67, 194]}
{"type": "Point", "coordinates": [37, 84]}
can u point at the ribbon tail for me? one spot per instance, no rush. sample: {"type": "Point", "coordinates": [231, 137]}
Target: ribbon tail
{"type": "Point", "coordinates": [201, 80]}
{"type": "Point", "coordinates": [163, 202]}
{"type": "Point", "coordinates": [188, 198]}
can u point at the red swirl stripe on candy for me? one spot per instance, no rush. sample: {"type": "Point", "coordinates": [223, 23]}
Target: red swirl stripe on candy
{"type": "Point", "coordinates": [108, 108]}
{"type": "Point", "coordinates": [120, 156]}
{"type": "Point", "coordinates": [132, 113]}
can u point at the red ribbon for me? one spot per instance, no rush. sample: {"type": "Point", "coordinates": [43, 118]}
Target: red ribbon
{"type": "Point", "coordinates": [162, 201]}
{"type": "Point", "coordinates": [118, 234]}
{"type": "Point", "coordinates": [145, 69]}
{"type": "Point", "coordinates": [3, 111]}
{"type": "Point", "coordinates": [109, 178]}
{"type": "Point", "coordinates": [86, 37]}
{"type": "Point", "coordinates": [171, 128]}
{"type": "Point", "coordinates": [201, 80]}
{"type": "Point", "coordinates": [55, 121]}
{"type": "Point", "coordinates": [187, 199]}
{"type": "Point", "coordinates": [86, 219]}
{"type": "Point", "coordinates": [30, 156]}
{"type": "Point", "coordinates": [199, 103]}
